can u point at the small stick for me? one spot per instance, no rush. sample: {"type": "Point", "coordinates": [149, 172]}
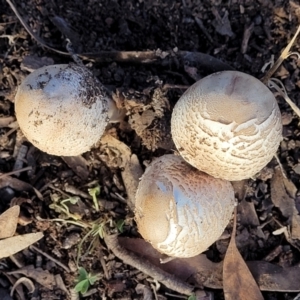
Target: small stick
{"type": "Point", "coordinates": [168, 86]}
{"type": "Point", "coordinates": [15, 172]}
{"type": "Point", "coordinates": [102, 261]}
{"type": "Point", "coordinates": [130, 258]}
{"type": "Point", "coordinates": [50, 257]}
{"type": "Point", "coordinates": [201, 60]}
{"type": "Point", "coordinates": [23, 280]}
{"type": "Point", "coordinates": [247, 34]}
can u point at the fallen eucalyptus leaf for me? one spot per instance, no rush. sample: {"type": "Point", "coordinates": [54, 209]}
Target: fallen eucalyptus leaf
{"type": "Point", "coordinates": [9, 222]}
{"type": "Point", "coordinates": [17, 243]}
{"type": "Point", "coordinates": [78, 164]}
{"type": "Point", "coordinates": [237, 278]}
{"type": "Point", "coordinates": [283, 193]}
{"type": "Point", "coordinates": [18, 185]}
{"type": "Point", "coordinates": [279, 196]}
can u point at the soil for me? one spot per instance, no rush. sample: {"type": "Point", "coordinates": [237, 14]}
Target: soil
{"type": "Point", "coordinates": [168, 42]}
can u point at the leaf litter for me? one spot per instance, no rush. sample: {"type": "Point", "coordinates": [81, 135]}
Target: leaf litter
{"type": "Point", "coordinates": [237, 279]}
{"type": "Point", "coordinates": [9, 222]}
{"type": "Point", "coordinates": [10, 244]}
{"type": "Point", "coordinates": [200, 269]}
{"type": "Point", "coordinates": [283, 193]}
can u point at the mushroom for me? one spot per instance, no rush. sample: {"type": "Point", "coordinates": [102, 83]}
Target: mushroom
{"type": "Point", "coordinates": [228, 125]}
{"type": "Point", "coordinates": [63, 109]}
{"type": "Point", "coordinates": [180, 210]}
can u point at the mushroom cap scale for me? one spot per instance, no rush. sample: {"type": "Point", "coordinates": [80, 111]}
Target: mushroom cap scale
{"type": "Point", "coordinates": [228, 125]}
{"type": "Point", "coordinates": [180, 210]}
{"type": "Point", "coordinates": [62, 109]}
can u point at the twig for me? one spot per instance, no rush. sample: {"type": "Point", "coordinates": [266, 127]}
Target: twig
{"type": "Point", "coordinates": [130, 258]}
{"type": "Point", "coordinates": [23, 280]}
{"type": "Point", "coordinates": [247, 34]}
{"type": "Point", "coordinates": [201, 60]}
{"type": "Point", "coordinates": [8, 133]}
{"type": "Point", "coordinates": [280, 166]}
{"type": "Point", "coordinates": [16, 261]}
{"type": "Point", "coordinates": [15, 172]}
{"type": "Point", "coordinates": [168, 86]}
{"type": "Point", "coordinates": [50, 257]}
{"type": "Point", "coordinates": [102, 261]}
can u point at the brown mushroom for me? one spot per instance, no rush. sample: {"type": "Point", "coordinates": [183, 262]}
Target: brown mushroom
{"type": "Point", "coordinates": [228, 125]}
{"type": "Point", "coordinates": [63, 109]}
{"type": "Point", "coordinates": [180, 210]}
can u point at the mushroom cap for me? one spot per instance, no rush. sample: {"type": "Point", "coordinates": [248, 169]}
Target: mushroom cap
{"type": "Point", "coordinates": [180, 210]}
{"type": "Point", "coordinates": [62, 109]}
{"type": "Point", "coordinates": [228, 125]}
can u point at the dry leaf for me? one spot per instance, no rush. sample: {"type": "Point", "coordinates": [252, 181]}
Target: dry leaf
{"type": "Point", "coordinates": [237, 279]}
{"type": "Point", "coordinates": [9, 222]}
{"type": "Point", "coordinates": [283, 193]}
{"type": "Point", "coordinates": [290, 187]}
{"type": "Point", "coordinates": [78, 164]}
{"type": "Point", "coordinates": [279, 196]}
{"type": "Point", "coordinates": [271, 277]}
{"type": "Point", "coordinates": [247, 214]}
{"type": "Point", "coordinates": [17, 243]}
{"type": "Point", "coordinates": [240, 189]}
{"type": "Point", "coordinates": [18, 185]}
{"type": "Point", "coordinates": [295, 226]}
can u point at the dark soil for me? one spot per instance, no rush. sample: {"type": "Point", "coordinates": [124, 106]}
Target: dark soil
{"type": "Point", "coordinates": [238, 34]}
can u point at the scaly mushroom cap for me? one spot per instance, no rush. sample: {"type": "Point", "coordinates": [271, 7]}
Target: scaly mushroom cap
{"type": "Point", "coordinates": [180, 210]}
{"type": "Point", "coordinates": [62, 109]}
{"type": "Point", "coordinates": [228, 125]}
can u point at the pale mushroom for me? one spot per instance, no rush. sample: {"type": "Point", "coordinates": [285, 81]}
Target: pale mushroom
{"type": "Point", "coordinates": [228, 125]}
{"type": "Point", "coordinates": [180, 210]}
{"type": "Point", "coordinates": [63, 109]}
